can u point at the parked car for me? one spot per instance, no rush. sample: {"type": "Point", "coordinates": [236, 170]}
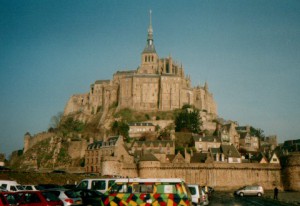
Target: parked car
{"type": "Point", "coordinates": [198, 195]}
{"type": "Point", "coordinates": [68, 197]}
{"type": "Point", "coordinates": [11, 185]}
{"type": "Point", "coordinates": [30, 187]}
{"type": "Point", "coordinates": [2, 189]}
{"type": "Point", "coordinates": [70, 186]}
{"type": "Point", "coordinates": [37, 198]}
{"type": "Point", "coordinates": [48, 186]}
{"type": "Point", "coordinates": [7, 199]}
{"type": "Point", "coordinates": [90, 197]}
{"type": "Point", "coordinates": [101, 184]}
{"type": "Point", "coordinates": [254, 190]}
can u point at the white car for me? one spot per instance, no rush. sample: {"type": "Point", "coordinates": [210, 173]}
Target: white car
{"type": "Point", "coordinates": [254, 190]}
{"type": "Point", "coordinates": [30, 187]}
{"type": "Point", "coordinates": [11, 186]}
{"type": "Point", "coordinates": [68, 197]}
{"type": "Point", "coordinates": [198, 195]}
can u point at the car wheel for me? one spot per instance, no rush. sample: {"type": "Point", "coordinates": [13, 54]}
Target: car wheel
{"type": "Point", "coordinates": [259, 194]}
{"type": "Point", "coordinates": [241, 194]}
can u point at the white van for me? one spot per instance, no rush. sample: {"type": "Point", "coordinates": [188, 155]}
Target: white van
{"type": "Point", "coordinates": [11, 185]}
{"type": "Point", "coordinates": [101, 184]}
{"type": "Point", "coordinates": [198, 195]}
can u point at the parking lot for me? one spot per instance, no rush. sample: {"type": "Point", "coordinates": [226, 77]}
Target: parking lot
{"type": "Point", "coordinates": [227, 198]}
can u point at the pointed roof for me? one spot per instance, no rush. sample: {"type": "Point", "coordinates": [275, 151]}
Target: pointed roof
{"type": "Point", "coordinates": [150, 46]}
{"type": "Point", "coordinates": [230, 151]}
{"type": "Point", "coordinates": [148, 157]}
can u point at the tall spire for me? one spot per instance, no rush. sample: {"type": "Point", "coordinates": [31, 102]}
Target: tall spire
{"type": "Point", "coordinates": [150, 30]}
{"type": "Point", "coordinates": [150, 46]}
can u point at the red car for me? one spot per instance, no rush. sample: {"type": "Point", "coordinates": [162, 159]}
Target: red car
{"type": "Point", "coordinates": [37, 198]}
{"type": "Point", "coordinates": [8, 199]}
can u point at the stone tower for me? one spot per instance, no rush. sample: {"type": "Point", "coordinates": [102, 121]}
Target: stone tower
{"type": "Point", "coordinates": [149, 61]}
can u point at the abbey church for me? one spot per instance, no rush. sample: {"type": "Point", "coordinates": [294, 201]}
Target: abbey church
{"type": "Point", "coordinates": [158, 84]}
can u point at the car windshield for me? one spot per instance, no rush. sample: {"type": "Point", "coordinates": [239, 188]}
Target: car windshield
{"type": "Point", "coordinates": [71, 194]}
{"type": "Point", "coordinates": [50, 197]}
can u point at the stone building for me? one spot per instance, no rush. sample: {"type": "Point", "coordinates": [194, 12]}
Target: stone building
{"type": "Point", "coordinates": [158, 84]}
{"type": "Point", "coordinates": [113, 151]}
{"type": "Point", "coordinates": [137, 129]}
{"type": "Point", "coordinates": [205, 143]}
{"type": "Point", "coordinates": [156, 146]}
{"type": "Point", "coordinates": [248, 142]}
{"type": "Point", "coordinates": [226, 153]}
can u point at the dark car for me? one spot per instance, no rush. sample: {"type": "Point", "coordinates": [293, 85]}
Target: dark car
{"type": "Point", "coordinates": [90, 197]}
{"type": "Point", "coordinates": [37, 198]}
{"type": "Point", "coordinates": [49, 186]}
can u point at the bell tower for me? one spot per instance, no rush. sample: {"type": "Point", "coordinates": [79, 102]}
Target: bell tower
{"type": "Point", "coordinates": [149, 61]}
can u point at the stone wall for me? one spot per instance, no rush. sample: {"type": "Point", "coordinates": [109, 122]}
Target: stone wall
{"type": "Point", "coordinates": [31, 141]}
{"type": "Point", "coordinates": [291, 172]}
{"type": "Point", "coordinates": [77, 149]}
{"type": "Point", "coordinates": [218, 175]}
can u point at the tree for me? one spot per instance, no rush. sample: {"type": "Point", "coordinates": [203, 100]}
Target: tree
{"type": "Point", "coordinates": [187, 120]}
{"type": "Point", "coordinates": [120, 128]}
{"type": "Point", "coordinates": [257, 132]}
{"type": "Point", "coordinates": [55, 120]}
{"type": "Point", "coordinates": [71, 125]}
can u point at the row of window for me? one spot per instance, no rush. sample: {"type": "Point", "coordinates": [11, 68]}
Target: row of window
{"type": "Point", "coordinates": [149, 58]}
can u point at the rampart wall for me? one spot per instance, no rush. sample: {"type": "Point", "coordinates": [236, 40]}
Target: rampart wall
{"type": "Point", "coordinates": [31, 141]}
{"type": "Point", "coordinates": [291, 172]}
{"type": "Point", "coordinates": [222, 176]}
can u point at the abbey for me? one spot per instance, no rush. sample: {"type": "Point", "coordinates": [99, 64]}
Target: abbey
{"type": "Point", "coordinates": [158, 84]}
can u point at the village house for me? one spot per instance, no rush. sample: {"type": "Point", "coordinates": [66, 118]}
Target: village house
{"type": "Point", "coordinates": [156, 146]}
{"type": "Point", "coordinates": [226, 153]}
{"type": "Point", "coordinates": [248, 142]}
{"type": "Point", "coordinates": [205, 143]}
{"type": "Point", "coordinates": [114, 147]}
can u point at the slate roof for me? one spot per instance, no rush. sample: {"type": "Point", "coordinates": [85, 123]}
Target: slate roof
{"type": "Point", "coordinates": [148, 157]}
{"type": "Point", "coordinates": [155, 143]}
{"type": "Point", "coordinates": [98, 144]}
{"type": "Point", "coordinates": [198, 157]}
{"type": "Point", "coordinates": [149, 49]}
{"type": "Point", "coordinates": [230, 151]}
{"type": "Point", "coordinates": [258, 157]}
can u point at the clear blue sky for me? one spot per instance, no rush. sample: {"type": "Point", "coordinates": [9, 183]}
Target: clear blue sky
{"type": "Point", "coordinates": [247, 51]}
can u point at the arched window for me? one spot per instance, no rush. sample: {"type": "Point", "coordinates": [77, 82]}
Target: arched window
{"type": "Point", "coordinates": [145, 58]}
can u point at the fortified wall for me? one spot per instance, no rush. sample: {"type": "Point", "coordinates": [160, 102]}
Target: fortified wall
{"type": "Point", "coordinates": [222, 176]}
{"type": "Point", "coordinates": [30, 141]}
{"type": "Point", "coordinates": [291, 172]}
{"type": "Point", "coordinates": [218, 175]}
